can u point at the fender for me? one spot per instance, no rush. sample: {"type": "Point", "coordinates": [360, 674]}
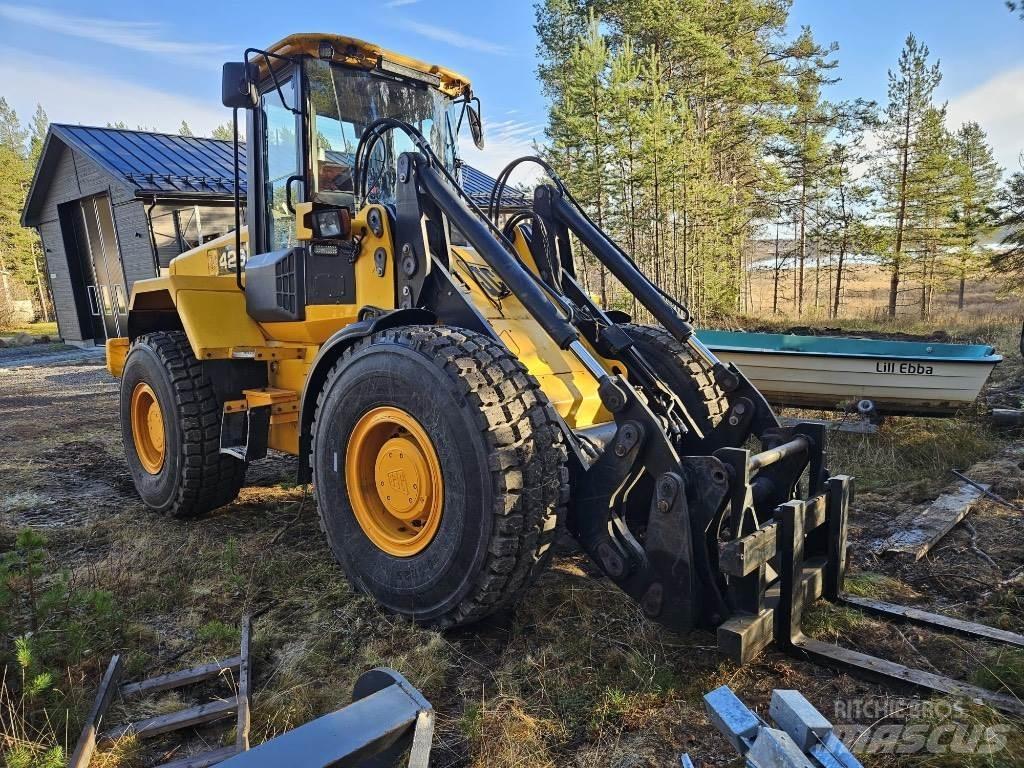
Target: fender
{"type": "Point", "coordinates": [328, 355]}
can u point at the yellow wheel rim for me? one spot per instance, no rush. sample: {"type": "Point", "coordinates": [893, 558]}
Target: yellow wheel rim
{"type": "Point", "coordinates": [394, 481]}
{"type": "Point", "coordinates": [147, 428]}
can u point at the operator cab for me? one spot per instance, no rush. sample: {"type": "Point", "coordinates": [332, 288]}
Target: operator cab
{"type": "Point", "coordinates": [309, 100]}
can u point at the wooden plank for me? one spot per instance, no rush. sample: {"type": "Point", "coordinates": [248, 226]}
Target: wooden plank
{"type": "Point", "coordinates": [242, 736]}
{"type": "Point", "coordinates": [918, 531]}
{"type": "Point", "coordinates": [87, 741]}
{"type": "Point", "coordinates": [873, 668]}
{"type": "Point", "coordinates": [936, 620]}
{"type": "Point", "coordinates": [154, 726]}
{"type": "Point", "coordinates": [204, 759]}
{"type": "Point", "coordinates": [181, 678]}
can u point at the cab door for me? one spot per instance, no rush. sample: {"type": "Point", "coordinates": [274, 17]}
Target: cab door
{"type": "Point", "coordinates": [277, 129]}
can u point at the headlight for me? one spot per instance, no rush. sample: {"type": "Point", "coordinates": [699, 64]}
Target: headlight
{"type": "Point", "coordinates": [330, 223]}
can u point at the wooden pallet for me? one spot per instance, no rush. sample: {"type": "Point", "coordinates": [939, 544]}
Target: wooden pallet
{"type": "Point", "coordinates": [236, 705]}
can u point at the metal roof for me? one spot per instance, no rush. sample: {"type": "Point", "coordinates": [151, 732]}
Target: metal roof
{"type": "Point", "coordinates": [166, 165]}
{"type": "Point", "coordinates": [158, 162]}
{"type": "Point", "coordinates": [479, 186]}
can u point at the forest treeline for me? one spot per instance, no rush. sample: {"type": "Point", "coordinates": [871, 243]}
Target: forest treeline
{"type": "Point", "coordinates": [695, 132]}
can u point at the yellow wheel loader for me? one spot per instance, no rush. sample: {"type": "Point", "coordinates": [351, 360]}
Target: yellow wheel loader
{"type": "Point", "coordinates": [454, 395]}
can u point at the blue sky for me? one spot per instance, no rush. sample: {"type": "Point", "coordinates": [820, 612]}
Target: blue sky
{"type": "Point", "coordinates": [158, 63]}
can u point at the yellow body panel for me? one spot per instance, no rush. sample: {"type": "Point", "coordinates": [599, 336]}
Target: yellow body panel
{"type": "Point", "coordinates": [117, 351]}
{"type": "Point", "coordinates": [204, 317]}
{"type": "Point", "coordinates": [567, 384]}
{"type": "Point", "coordinates": [372, 290]}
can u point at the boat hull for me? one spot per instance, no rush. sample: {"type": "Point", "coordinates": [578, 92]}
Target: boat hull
{"type": "Point", "coordinates": [917, 382]}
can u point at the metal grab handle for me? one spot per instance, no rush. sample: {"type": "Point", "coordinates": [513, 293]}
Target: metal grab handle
{"type": "Point", "coordinates": [288, 192]}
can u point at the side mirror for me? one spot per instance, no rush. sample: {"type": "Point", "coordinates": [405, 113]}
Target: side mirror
{"type": "Point", "coordinates": [476, 125]}
{"type": "Point", "coordinates": [238, 85]}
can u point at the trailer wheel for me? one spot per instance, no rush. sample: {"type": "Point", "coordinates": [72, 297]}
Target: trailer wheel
{"type": "Point", "coordinates": [440, 472]}
{"type": "Point", "coordinates": [170, 423]}
{"type": "Point", "coordinates": [687, 376]}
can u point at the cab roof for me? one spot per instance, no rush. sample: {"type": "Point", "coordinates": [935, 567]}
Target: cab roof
{"type": "Point", "coordinates": [354, 52]}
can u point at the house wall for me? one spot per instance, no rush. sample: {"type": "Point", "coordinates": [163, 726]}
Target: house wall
{"type": "Point", "coordinates": [76, 176]}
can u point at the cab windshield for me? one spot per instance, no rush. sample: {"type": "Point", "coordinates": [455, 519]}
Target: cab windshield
{"type": "Point", "coordinates": [345, 101]}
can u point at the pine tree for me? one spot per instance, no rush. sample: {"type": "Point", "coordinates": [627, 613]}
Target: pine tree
{"type": "Point", "coordinates": [223, 132]}
{"type": "Point", "coordinates": [843, 227]}
{"type": "Point", "coordinates": [977, 184]}
{"type": "Point", "coordinates": [1008, 261]}
{"type": "Point", "coordinates": [930, 199]}
{"type": "Point", "coordinates": [803, 152]}
{"type": "Point", "coordinates": [19, 249]}
{"type": "Point", "coordinates": [910, 98]}
{"type": "Point", "coordinates": [184, 130]}
{"type": "Point", "coordinates": [12, 135]}
{"type": "Point", "coordinates": [37, 134]}
{"type": "Point", "coordinates": [577, 128]}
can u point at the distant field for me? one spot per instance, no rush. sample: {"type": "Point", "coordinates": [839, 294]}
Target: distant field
{"type": "Point", "coordinates": [865, 293]}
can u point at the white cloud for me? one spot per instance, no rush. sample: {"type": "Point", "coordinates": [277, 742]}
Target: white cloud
{"type": "Point", "coordinates": [76, 95]}
{"type": "Point", "coordinates": [454, 38]}
{"type": "Point", "coordinates": [998, 106]}
{"type": "Point", "coordinates": [139, 36]}
{"type": "Point", "coordinates": [399, 3]}
{"type": "Point", "coordinates": [504, 142]}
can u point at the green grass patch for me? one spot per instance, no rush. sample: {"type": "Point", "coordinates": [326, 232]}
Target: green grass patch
{"type": "Point", "coordinates": [32, 329]}
{"type": "Point", "coordinates": [878, 586]}
{"type": "Point", "coordinates": [827, 621]}
{"type": "Point", "coordinates": [912, 454]}
{"type": "Point", "coordinates": [1002, 669]}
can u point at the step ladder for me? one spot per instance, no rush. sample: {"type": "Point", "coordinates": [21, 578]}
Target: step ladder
{"type": "Point", "coordinates": [387, 720]}
{"type": "Point", "coordinates": [234, 706]}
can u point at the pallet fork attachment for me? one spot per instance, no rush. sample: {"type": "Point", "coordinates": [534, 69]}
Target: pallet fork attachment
{"type": "Point", "coordinates": [807, 540]}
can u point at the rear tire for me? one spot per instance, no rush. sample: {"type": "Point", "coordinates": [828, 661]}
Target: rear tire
{"type": "Point", "coordinates": [493, 437]}
{"type": "Point", "coordinates": [181, 472]}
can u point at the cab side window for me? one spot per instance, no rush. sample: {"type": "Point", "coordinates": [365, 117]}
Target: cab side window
{"type": "Point", "coordinates": [281, 161]}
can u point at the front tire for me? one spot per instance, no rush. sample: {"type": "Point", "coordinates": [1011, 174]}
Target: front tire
{"type": "Point", "coordinates": [170, 424]}
{"type": "Point", "coordinates": [440, 473]}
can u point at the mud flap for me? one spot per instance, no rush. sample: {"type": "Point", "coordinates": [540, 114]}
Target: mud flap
{"type": "Point", "coordinates": [244, 432]}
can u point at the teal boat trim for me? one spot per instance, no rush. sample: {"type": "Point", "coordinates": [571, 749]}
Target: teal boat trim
{"type": "Point", "coordinates": [841, 346]}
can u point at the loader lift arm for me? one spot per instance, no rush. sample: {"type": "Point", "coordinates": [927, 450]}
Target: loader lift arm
{"type": "Point", "coordinates": [667, 558]}
{"type": "Point", "coordinates": [717, 527]}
